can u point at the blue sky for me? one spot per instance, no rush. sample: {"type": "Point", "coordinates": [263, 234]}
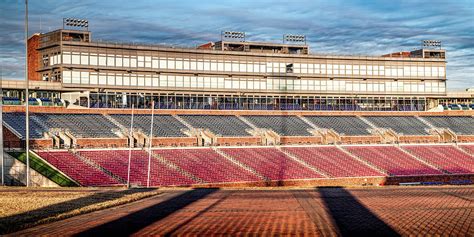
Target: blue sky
{"type": "Point", "coordinates": [332, 26]}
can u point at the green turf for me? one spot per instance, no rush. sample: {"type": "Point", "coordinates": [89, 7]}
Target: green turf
{"type": "Point", "coordinates": [43, 168]}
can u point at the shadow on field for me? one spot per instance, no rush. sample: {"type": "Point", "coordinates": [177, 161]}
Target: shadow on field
{"type": "Point", "coordinates": [26, 219]}
{"type": "Point", "coordinates": [350, 216]}
{"type": "Point", "coordinates": [136, 221]}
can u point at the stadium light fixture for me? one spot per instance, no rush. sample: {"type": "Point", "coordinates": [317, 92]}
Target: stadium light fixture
{"type": "Point", "coordinates": [75, 23]}
{"type": "Point", "coordinates": [431, 43]}
{"type": "Point", "coordinates": [290, 38]}
{"type": "Point", "coordinates": [233, 36]}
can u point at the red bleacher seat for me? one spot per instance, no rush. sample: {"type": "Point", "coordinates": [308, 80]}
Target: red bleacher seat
{"type": "Point", "coordinates": [77, 169]}
{"type": "Point", "coordinates": [393, 160]}
{"type": "Point", "coordinates": [333, 161]}
{"type": "Point", "coordinates": [117, 163]}
{"type": "Point", "coordinates": [271, 163]}
{"type": "Point", "coordinates": [207, 164]}
{"type": "Point", "coordinates": [448, 158]}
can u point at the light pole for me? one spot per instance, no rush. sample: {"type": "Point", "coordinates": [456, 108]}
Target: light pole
{"type": "Point", "coordinates": [130, 150]}
{"type": "Point", "coordinates": [1, 129]}
{"type": "Point", "coordinates": [27, 115]}
{"type": "Point", "coordinates": [150, 144]}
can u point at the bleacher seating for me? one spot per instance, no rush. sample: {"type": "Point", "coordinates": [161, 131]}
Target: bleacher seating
{"type": "Point", "coordinates": [117, 163]}
{"type": "Point", "coordinates": [344, 125]}
{"type": "Point", "coordinates": [332, 161]}
{"type": "Point", "coordinates": [224, 125]}
{"type": "Point", "coordinates": [283, 125]}
{"type": "Point", "coordinates": [404, 125]}
{"type": "Point", "coordinates": [448, 158]}
{"type": "Point", "coordinates": [17, 122]}
{"type": "Point", "coordinates": [163, 125]}
{"type": "Point", "coordinates": [457, 124]}
{"type": "Point", "coordinates": [77, 169]}
{"type": "Point", "coordinates": [468, 148]}
{"type": "Point", "coordinates": [80, 125]}
{"type": "Point", "coordinates": [207, 165]}
{"type": "Point", "coordinates": [271, 163]}
{"type": "Point", "coordinates": [393, 160]}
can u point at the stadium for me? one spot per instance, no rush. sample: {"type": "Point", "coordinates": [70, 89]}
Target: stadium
{"type": "Point", "coordinates": [232, 123]}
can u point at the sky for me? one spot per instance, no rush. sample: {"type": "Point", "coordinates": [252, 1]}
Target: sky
{"type": "Point", "coordinates": [342, 27]}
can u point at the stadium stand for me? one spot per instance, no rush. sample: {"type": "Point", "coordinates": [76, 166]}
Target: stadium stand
{"type": "Point", "coordinates": [404, 125]}
{"type": "Point", "coordinates": [163, 126]}
{"type": "Point", "coordinates": [225, 125]}
{"type": "Point", "coordinates": [207, 165]}
{"type": "Point", "coordinates": [80, 125]}
{"type": "Point", "coordinates": [457, 124]}
{"type": "Point", "coordinates": [468, 148]}
{"type": "Point", "coordinates": [458, 162]}
{"type": "Point", "coordinates": [283, 125]}
{"type": "Point", "coordinates": [271, 163]}
{"type": "Point", "coordinates": [332, 161]}
{"type": "Point", "coordinates": [17, 122]}
{"type": "Point", "coordinates": [117, 163]}
{"type": "Point", "coordinates": [393, 160]}
{"type": "Point", "coordinates": [344, 125]}
{"type": "Point", "coordinates": [77, 169]}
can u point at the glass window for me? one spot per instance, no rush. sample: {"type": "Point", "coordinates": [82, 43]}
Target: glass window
{"type": "Point", "coordinates": [140, 61]}
{"type": "Point", "coordinates": [207, 65]}
{"type": "Point", "coordinates": [126, 79]}
{"type": "Point", "coordinates": [163, 63]}
{"type": "Point", "coordinates": [148, 80]}
{"type": "Point", "coordinates": [76, 59]}
{"type": "Point", "coordinates": [186, 65]}
{"type": "Point", "coordinates": [84, 59]}
{"type": "Point", "coordinates": [93, 59]}
{"type": "Point", "coordinates": [76, 77]}
{"type": "Point", "coordinates": [147, 61]}
{"type": "Point", "coordinates": [102, 79]}
{"type": "Point", "coordinates": [156, 81]}
{"type": "Point", "coordinates": [111, 79]}
{"type": "Point", "coordinates": [85, 78]}
{"type": "Point", "coordinates": [133, 61]}
{"type": "Point", "coordinates": [93, 79]}
{"type": "Point", "coordinates": [186, 81]}
{"type": "Point", "coordinates": [102, 60]}
{"type": "Point", "coordinates": [141, 80]}
{"type": "Point", "coordinates": [110, 61]}
{"type": "Point", "coordinates": [179, 64]}
{"type": "Point", "coordinates": [179, 81]}
{"type": "Point", "coordinates": [133, 80]}
{"type": "Point", "coordinates": [118, 79]}
{"type": "Point", "coordinates": [119, 61]}
{"type": "Point", "coordinates": [126, 61]}
{"type": "Point", "coordinates": [67, 57]}
{"type": "Point", "coordinates": [67, 77]}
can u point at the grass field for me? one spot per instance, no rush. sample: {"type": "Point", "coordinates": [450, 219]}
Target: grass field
{"type": "Point", "coordinates": [328, 211]}
{"type": "Point", "coordinates": [21, 207]}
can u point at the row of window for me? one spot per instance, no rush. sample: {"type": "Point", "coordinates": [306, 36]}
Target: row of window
{"type": "Point", "coordinates": [108, 60]}
{"type": "Point", "coordinates": [232, 83]}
